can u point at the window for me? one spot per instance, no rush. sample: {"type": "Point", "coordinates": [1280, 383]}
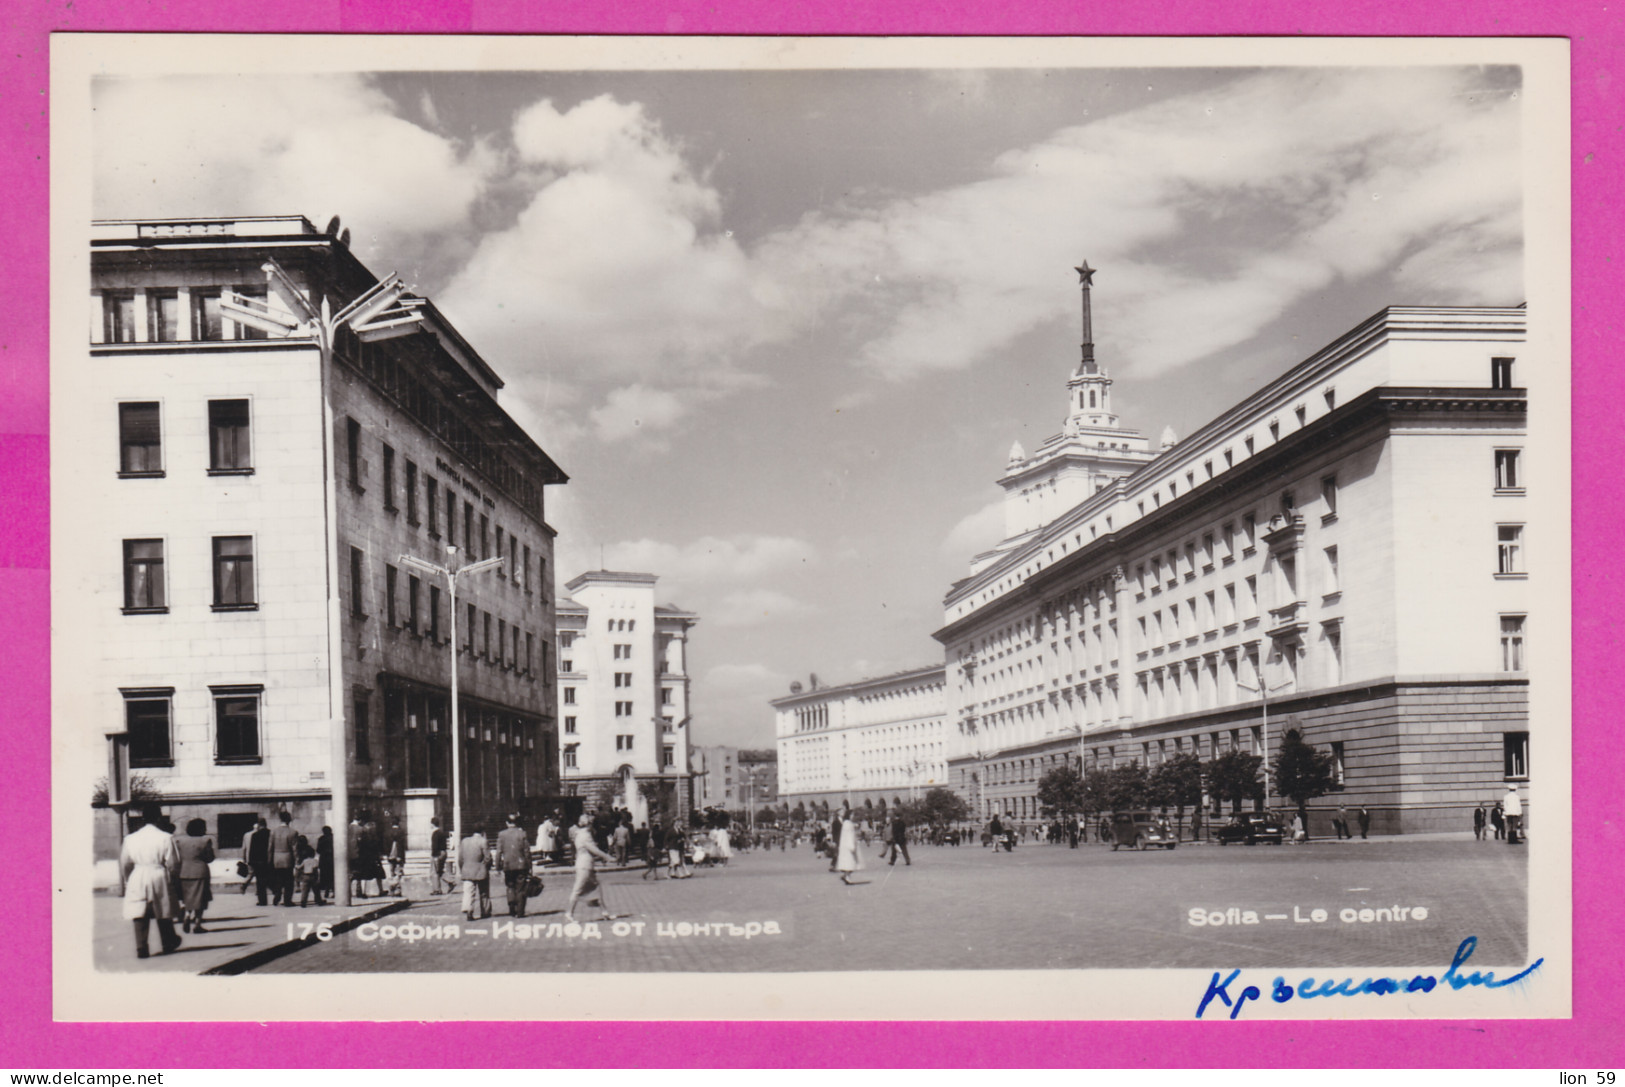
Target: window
{"type": "Point", "coordinates": [1509, 549]}
{"type": "Point", "coordinates": [1501, 373]}
{"type": "Point", "coordinates": [256, 299]}
{"type": "Point", "coordinates": [668, 756]}
{"type": "Point", "coordinates": [434, 612]}
{"type": "Point", "coordinates": [623, 709]}
{"type": "Point", "coordinates": [389, 480]}
{"type": "Point", "coordinates": [414, 591]}
{"type": "Point", "coordinates": [502, 567]}
{"type": "Point", "coordinates": [468, 530]}
{"type": "Point", "coordinates": [569, 696]}
{"type": "Point", "coordinates": [485, 537]}
{"type": "Point", "coordinates": [118, 318]}
{"type": "Point", "coordinates": [411, 493]}
{"type": "Point", "coordinates": [237, 724]}
{"type": "Point", "coordinates": [1328, 496]}
{"type": "Point", "coordinates": [570, 756]}
{"type": "Point", "coordinates": [623, 742]}
{"type": "Point", "coordinates": [1229, 604]}
{"type": "Point", "coordinates": [1334, 654]}
{"type": "Point", "coordinates": [623, 679]}
{"type": "Point", "coordinates": [431, 497]}
{"type": "Point", "coordinates": [1332, 583]}
{"type": "Point", "coordinates": [391, 580]}
{"type": "Point", "coordinates": [147, 726]}
{"type": "Point", "coordinates": [1515, 755]}
{"type": "Point", "coordinates": [352, 431]}
{"type": "Point", "coordinates": [567, 664]}
{"type": "Point", "coordinates": [206, 323]}
{"type": "Point", "coordinates": [144, 575]}
{"type": "Point", "coordinates": [1249, 598]}
{"type": "Point", "coordinates": [623, 652]}
{"type": "Point", "coordinates": [1512, 643]}
{"type": "Point", "coordinates": [502, 643]}
{"type": "Point", "coordinates": [451, 518]}
{"type": "Point", "coordinates": [140, 440]}
{"type": "Point", "coordinates": [472, 624]}
{"type": "Point", "coordinates": [1508, 472]}
{"type": "Point", "coordinates": [1207, 551]}
{"type": "Point", "coordinates": [228, 436]}
{"type": "Point", "coordinates": [570, 725]}
{"type": "Point", "coordinates": [363, 736]}
{"type": "Point", "coordinates": [358, 606]}
{"type": "Point", "coordinates": [667, 724]}
{"type": "Point", "coordinates": [1289, 504]}
{"type": "Point", "coordinates": [163, 316]}
{"type": "Point", "coordinates": [1249, 533]}
{"type": "Point", "coordinates": [485, 643]}
{"type": "Point", "coordinates": [524, 571]}
{"type": "Point", "coordinates": [530, 649]}
{"type": "Point", "coordinates": [233, 572]}
{"type": "Point", "coordinates": [665, 696]}
{"type": "Point", "coordinates": [1339, 767]}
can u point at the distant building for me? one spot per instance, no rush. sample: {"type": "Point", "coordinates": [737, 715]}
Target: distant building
{"type": "Point", "coordinates": [759, 767]}
{"type": "Point", "coordinates": [1350, 540]}
{"type": "Point", "coordinates": [230, 519]}
{"type": "Point", "coordinates": [875, 740]}
{"type": "Point", "coordinates": [717, 783]}
{"type": "Point", "coordinates": [624, 694]}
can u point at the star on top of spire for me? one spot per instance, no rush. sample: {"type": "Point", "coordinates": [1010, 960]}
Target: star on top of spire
{"type": "Point", "coordinates": [1086, 274]}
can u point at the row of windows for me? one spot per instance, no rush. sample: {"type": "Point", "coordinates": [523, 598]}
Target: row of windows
{"type": "Point", "coordinates": [668, 753]}
{"type": "Point", "coordinates": [149, 724]}
{"type": "Point", "coordinates": [667, 724]}
{"type": "Point", "coordinates": [141, 438]}
{"type": "Point", "coordinates": [484, 636]}
{"type": "Point", "coordinates": [146, 582]}
{"type": "Point", "coordinates": [476, 529]}
{"type": "Point", "coordinates": [163, 319]}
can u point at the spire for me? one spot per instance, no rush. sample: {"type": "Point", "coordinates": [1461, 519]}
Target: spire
{"type": "Point", "coordinates": [1086, 277]}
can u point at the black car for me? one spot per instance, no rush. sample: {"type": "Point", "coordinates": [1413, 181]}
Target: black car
{"type": "Point", "coordinates": [1251, 827]}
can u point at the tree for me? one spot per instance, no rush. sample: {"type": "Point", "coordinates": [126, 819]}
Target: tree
{"type": "Point", "coordinates": [1126, 787]}
{"type": "Point", "coordinates": [1061, 791]}
{"type": "Point", "coordinates": [1177, 782]}
{"type": "Point", "coordinates": [1233, 776]}
{"type": "Point", "coordinates": [938, 807]}
{"type": "Point", "coordinates": [800, 813]}
{"type": "Point", "coordinates": [1302, 772]}
{"type": "Point", "coordinates": [142, 790]}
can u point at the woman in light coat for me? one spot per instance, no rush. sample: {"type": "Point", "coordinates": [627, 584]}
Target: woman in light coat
{"type": "Point", "coordinates": [847, 857]}
{"type": "Point", "coordinates": [151, 865]}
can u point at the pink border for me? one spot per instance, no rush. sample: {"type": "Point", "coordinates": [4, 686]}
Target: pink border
{"type": "Point", "coordinates": [1591, 1040]}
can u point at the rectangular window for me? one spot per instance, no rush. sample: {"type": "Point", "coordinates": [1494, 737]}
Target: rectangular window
{"type": "Point", "coordinates": [485, 537]}
{"type": "Point", "coordinates": [668, 757]}
{"type": "Point", "coordinates": [1509, 549]}
{"type": "Point", "coordinates": [570, 756]}
{"type": "Point", "coordinates": [667, 724]}
{"type": "Point", "coordinates": [228, 436]}
{"type": "Point", "coordinates": [1512, 643]}
{"type": "Point", "coordinates": [234, 572]}
{"type": "Point", "coordinates": [513, 558]}
{"type": "Point", "coordinates": [414, 592]}
{"type": "Point", "coordinates": [1339, 767]}
{"type": "Point", "coordinates": [485, 642]}
{"type": "Point", "coordinates": [163, 316]}
{"type": "Point", "coordinates": [1249, 532]}
{"type": "Point", "coordinates": [623, 742]}
{"type": "Point", "coordinates": [389, 480]}
{"type": "Point", "coordinates": [1328, 497]}
{"type": "Point", "coordinates": [1333, 585]}
{"type": "Point", "coordinates": [1515, 755]}
{"type": "Point", "coordinates": [502, 568]}
{"type": "Point", "coordinates": [623, 679]}
{"type": "Point", "coordinates": [1508, 473]}
{"type": "Point", "coordinates": [391, 583]}
{"type": "Point", "coordinates": [530, 651]}
{"type": "Point", "coordinates": [434, 613]}
{"type": "Point", "coordinates": [147, 722]}
{"type": "Point", "coordinates": [1207, 551]}
{"type": "Point", "coordinates": [1501, 373]}
{"type": "Point", "coordinates": [144, 575]}
{"type": "Point", "coordinates": [623, 709]}
{"type": "Point", "coordinates": [665, 696]}
{"type": "Point", "coordinates": [570, 725]}
{"type": "Point", "coordinates": [118, 318]}
{"type": "Point", "coordinates": [237, 724]}
{"type": "Point", "coordinates": [1229, 604]}
{"type": "Point", "coordinates": [1334, 655]}
{"type": "Point", "coordinates": [352, 433]}
{"type": "Point", "coordinates": [256, 299]}
{"type": "Point", "coordinates": [472, 624]}
{"type": "Point", "coordinates": [431, 497]}
{"type": "Point", "coordinates": [1249, 598]}
{"type": "Point", "coordinates": [206, 324]}
{"type": "Point", "coordinates": [502, 642]}
{"type": "Point", "coordinates": [358, 598]}
{"type": "Point", "coordinates": [411, 493]}
{"type": "Point", "coordinates": [363, 734]}
{"type": "Point", "coordinates": [524, 571]}
{"type": "Point", "coordinates": [468, 530]}
{"type": "Point", "coordinates": [451, 517]}
{"type": "Point", "coordinates": [569, 696]}
{"type": "Point", "coordinates": [140, 439]}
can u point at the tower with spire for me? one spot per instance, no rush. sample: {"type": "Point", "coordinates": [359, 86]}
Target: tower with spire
{"type": "Point", "coordinates": [1092, 449]}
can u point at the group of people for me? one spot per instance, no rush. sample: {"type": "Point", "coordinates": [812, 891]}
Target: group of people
{"type": "Point", "coordinates": [511, 855]}
{"type": "Point", "coordinates": [280, 862]}
{"type": "Point", "coordinates": [843, 840]}
{"type": "Point", "coordinates": [1505, 818]}
{"type": "Point", "coordinates": [1340, 823]}
{"type": "Point", "coordinates": [166, 878]}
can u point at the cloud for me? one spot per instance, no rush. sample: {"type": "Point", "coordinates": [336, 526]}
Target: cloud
{"type": "Point", "coordinates": [731, 705]}
{"type": "Point", "coordinates": [713, 560]}
{"type": "Point", "coordinates": [258, 145]}
{"type": "Point", "coordinates": [629, 409]}
{"type": "Point", "coordinates": [756, 606]}
{"type": "Point", "coordinates": [973, 534]}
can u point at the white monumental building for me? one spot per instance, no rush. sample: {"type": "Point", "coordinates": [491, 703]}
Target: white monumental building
{"type": "Point", "coordinates": [624, 694]}
{"type": "Point", "coordinates": [1349, 540]}
{"type": "Point", "coordinates": [874, 740]}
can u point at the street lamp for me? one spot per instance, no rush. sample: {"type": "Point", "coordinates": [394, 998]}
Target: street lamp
{"type": "Point", "coordinates": [382, 312]}
{"type": "Point", "coordinates": [451, 574]}
{"type": "Point", "coordinates": [1263, 691]}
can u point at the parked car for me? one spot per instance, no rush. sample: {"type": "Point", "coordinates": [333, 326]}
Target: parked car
{"type": "Point", "coordinates": [1251, 827]}
{"type": "Point", "coordinates": [1141, 830]}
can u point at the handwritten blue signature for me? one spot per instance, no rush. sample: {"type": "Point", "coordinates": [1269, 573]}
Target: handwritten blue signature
{"type": "Point", "coordinates": [1282, 993]}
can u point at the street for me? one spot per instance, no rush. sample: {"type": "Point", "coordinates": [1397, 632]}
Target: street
{"type": "Point", "coordinates": [968, 908]}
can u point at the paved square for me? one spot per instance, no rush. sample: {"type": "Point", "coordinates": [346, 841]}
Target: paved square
{"type": "Point", "coordinates": [1039, 907]}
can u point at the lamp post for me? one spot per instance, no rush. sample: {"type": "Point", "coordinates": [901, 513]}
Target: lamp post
{"type": "Point", "coordinates": [381, 312]}
{"type": "Point", "coordinates": [451, 574]}
{"type": "Point", "coordinates": [1263, 691]}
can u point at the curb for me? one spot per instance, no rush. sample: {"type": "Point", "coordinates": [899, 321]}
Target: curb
{"type": "Point", "coordinates": [244, 963]}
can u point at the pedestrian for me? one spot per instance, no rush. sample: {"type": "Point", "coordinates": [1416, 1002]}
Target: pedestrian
{"type": "Point", "coordinates": [1479, 819]}
{"type": "Point", "coordinates": [723, 842]}
{"type": "Point", "coordinates": [847, 858]}
{"type": "Point", "coordinates": [310, 872]}
{"type": "Point", "coordinates": [283, 837]}
{"type": "Point", "coordinates": [513, 857]}
{"type": "Point", "coordinates": [676, 868]}
{"type": "Point", "coordinates": [899, 840]}
{"type": "Point", "coordinates": [324, 862]}
{"type": "Point", "coordinates": [623, 841]}
{"type": "Point", "coordinates": [395, 854]}
{"type": "Point", "coordinates": [1299, 835]}
{"type": "Point", "coordinates": [995, 833]}
{"type": "Point", "coordinates": [257, 855]}
{"type": "Point", "coordinates": [1512, 808]}
{"type": "Point", "coordinates": [474, 869]}
{"type": "Point", "coordinates": [150, 864]}
{"type": "Point", "coordinates": [196, 851]}
{"type": "Point", "coordinates": [352, 850]}
{"type": "Point", "coordinates": [1340, 823]}
{"type": "Point", "coordinates": [654, 849]}
{"type": "Point", "coordinates": [1498, 821]}
{"type": "Point", "coordinates": [586, 884]}
{"type": "Point", "coordinates": [372, 856]}
{"type": "Point", "coordinates": [437, 856]}
{"type": "Point", "coordinates": [546, 836]}
{"type": "Point", "coordinates": [1365, 823]}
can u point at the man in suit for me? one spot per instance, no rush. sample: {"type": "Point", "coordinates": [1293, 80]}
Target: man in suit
{"type": "Point", "coordinates": [257, 855]}
{"type": "Point", "coordinates": [437, 854]}
{"type": "Point", "coordinates": [898, 840]}
{"type": "Point", "coordinates": [1365, 822]}
{"type": "Point", "coordinates": [513, 857]}
{"type": "Point", "coordinates": [474, 869]}
{"type": "Point", "coordinates": [283, 837]}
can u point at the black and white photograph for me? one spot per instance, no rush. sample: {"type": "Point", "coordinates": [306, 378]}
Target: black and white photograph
{"type": "Point", "coordinates": [810, 528]}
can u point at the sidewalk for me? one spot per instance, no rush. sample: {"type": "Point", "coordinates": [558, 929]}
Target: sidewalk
{"type": "Point", "coordinates": [239, 933]}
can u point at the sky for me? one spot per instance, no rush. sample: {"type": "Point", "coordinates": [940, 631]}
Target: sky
{"type": "Point", "coordinates": [782, 327]}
